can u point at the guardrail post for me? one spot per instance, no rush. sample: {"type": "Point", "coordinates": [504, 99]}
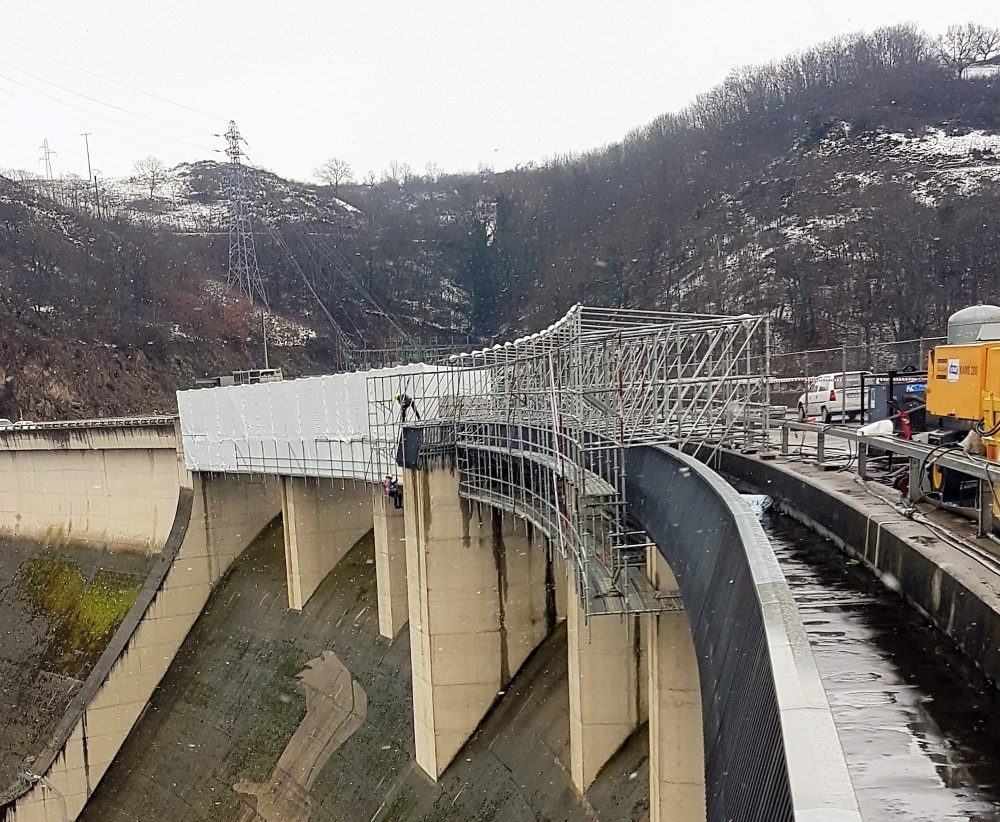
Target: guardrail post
{"type": "Point", "coordinates": [784, 439]}
{"type": "Point", "coordinates": [820, 447]}
{"type": "Point", "coordinates": [863, 460]}
{"type": "Point", "coordinates": [914, 491]}
{"type": "Point", "coordinates": [985, 507]}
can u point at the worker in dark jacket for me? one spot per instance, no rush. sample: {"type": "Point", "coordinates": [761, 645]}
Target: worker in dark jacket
{"type": "Point", "coordinates": [394, 491]}
{"type": "Point", "coordinates": [405, 404]}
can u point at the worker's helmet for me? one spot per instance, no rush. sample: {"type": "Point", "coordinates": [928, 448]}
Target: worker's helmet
{"type": "Point", "coordinates": [395, 396]}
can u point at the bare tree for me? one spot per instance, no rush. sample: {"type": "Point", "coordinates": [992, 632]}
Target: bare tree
{"type": "Point", "coordinates": [334, 172]}
{"type": "Point", "coordinates": [397, 172]}
{"type": "Point", "coordinates": [962, 46]}
{"type": "Point", "coordinates": [987, 43]}
{"type": "Point", "coordinates": [432, 171]}
{"type": "Point", "coordinates": [150, 170]}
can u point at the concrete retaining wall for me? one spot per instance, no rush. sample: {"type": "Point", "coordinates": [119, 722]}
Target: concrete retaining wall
{"type": "Point", "coordinates": [959, 602]}
{"type": "Point", "coordinates": [226, 514]}
{"type": "Point", "coordinates": [112, 488]}
{"type": "Point", "coordinates": [771, 746]}
{"type": "Point", "coordinates": [213, 518]}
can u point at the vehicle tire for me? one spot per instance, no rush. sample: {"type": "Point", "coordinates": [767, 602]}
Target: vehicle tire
{"type": "Point", "coordinates": [852, 415]}
{"type": "Point", "coordinates": [802, 413]}
{"type": "Point", "coordinates": [825, 415]}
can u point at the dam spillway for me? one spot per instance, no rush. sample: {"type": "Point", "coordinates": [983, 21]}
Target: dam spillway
{"type": "Point", "coordinates": [231, 702]}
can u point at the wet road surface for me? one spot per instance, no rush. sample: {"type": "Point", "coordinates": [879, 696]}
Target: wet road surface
{"type": "Point", "coordinates": [919, 724]}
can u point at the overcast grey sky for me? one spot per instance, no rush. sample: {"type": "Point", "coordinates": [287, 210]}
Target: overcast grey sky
{"type": "Point", "coordinates": [451, 81]}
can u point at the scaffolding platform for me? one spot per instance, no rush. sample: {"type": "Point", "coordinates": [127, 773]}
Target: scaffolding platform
{"type": "Point", "coordinates": [637, 596]}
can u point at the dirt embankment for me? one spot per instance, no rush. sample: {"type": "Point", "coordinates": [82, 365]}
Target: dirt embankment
{"type": "Point", "coordinates": [48, 374]}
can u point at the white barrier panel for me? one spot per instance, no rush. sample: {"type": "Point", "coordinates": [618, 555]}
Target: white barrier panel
{"type": "Point", "coordinates": [315, 426]}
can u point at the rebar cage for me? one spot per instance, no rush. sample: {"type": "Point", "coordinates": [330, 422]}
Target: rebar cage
{"type": "Point", "coordinates": [539, 426]}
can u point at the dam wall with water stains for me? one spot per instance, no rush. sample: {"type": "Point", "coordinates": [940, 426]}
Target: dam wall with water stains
{"type": "Point", "coordinates": [111, 489]}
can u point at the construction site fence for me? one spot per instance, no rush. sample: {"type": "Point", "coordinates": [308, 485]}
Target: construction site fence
{"type": "Point", "coordinates": [794, 370]}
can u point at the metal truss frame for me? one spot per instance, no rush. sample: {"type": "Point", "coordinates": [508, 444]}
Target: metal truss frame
{"type": "Point", "coordinates": [542, 423]}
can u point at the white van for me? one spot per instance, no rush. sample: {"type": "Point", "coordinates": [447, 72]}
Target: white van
{"type": "Point", "coordinates": [826, 397]}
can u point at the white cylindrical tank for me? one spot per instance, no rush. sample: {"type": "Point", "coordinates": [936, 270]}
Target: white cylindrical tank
{"type": "Point", "coordinates": [964, 325]}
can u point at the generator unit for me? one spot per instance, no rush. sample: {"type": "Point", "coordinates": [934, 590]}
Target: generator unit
{"type": "Point", "coordinates": [963, 387]}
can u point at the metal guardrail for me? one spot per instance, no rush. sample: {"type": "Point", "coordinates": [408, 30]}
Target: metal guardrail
{"type": "Point", "coordinates": [919, 456]}
{"type": "Point", "coordinates": [108, 422]}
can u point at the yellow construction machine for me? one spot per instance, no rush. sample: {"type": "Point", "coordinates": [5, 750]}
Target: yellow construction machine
{"type": "Point", "coordinates": [963, 385]}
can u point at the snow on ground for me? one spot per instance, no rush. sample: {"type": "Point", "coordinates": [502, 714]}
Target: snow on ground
{"type": "Point", "coordinates": [935, 162]}
{"type": "Point", "coordinates": [956, 164]}
{"type": "Point", "coordinates": [286, 332]}
{"type": "Point", "coordinates": [281, 331]}
{"type": "Point", "coordinates": [936, 143]}
{"type": "Point", "coordinates": [187, 198]}
{"type": "Point", "coordinates": [809, 232]}
{"type": "Point", "coordinates": [859, 179]}
{"type": "Point", "coordinates": [346, 206]}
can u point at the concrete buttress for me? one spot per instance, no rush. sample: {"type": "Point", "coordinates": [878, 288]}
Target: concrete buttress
{"type": "Point", "coordinates": [676, 744]}
{"type": "Point", "coordinates": [390, 566]}
{"type": "Point", "coordinates": [478, 607]}
{"type": "Point", "coordinates": [606, 692]}
{"type": "Point", "coordinates": [322, 521]}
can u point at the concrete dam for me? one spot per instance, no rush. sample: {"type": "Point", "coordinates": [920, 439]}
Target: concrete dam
{"type": "Point", "coordinates": [222, 616]}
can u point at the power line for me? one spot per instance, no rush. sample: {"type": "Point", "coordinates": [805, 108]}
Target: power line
{"type": "Point", "coordinates": [87, 124]}
{"type": "Point", "coordinates": [343, 267]}
{"type": "Point", "coordinates": [110, 80]}
{"type": "Point", "coordinates": [103, 117]}
{"type": "Point", "coordinates": [46, 157]}
{"type": "Point", "coordinates": [244, 274]}
{"type": "Point", "coordinates": [100, 102]}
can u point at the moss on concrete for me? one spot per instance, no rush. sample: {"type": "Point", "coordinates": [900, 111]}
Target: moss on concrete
{"type": "Point", "coordinates": [83, 614]}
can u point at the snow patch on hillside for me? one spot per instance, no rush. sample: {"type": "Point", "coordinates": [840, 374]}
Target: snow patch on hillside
{"type": "Point", "coordinates": [937, 143]}
{"type": "Point", "coordinates": [948, 164]}
{"type": "Point", "coordinates": [346, 206]}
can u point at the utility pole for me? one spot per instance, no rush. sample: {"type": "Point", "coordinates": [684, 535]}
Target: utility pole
{"type": "Point", "coordinates": [97, 198]}
{"type": "Point", "coordinates": [46, 158]}
{"type": "Point", "coordinates": [263, 333]}
{"type": "Point", "coordinates": [86, 139]}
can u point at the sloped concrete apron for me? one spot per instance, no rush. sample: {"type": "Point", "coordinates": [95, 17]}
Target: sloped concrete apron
{"type": "Point", "coordinates": [112, 653]}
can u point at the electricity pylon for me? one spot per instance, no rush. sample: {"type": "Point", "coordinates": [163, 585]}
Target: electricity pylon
{"type": "Point", "coordinates": [244, 275]}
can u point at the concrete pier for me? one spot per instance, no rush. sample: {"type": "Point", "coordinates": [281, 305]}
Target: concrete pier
{"type": "Point", "coordinates": [323, 520]}
{"type": "Point", "coordinates": [390, 566]}
{"type": "Point", "coordinates": [477, 608]}
{"type": "Point", "coordinates": [606, 687]}
{"type": "Point", "coordinates": [676, 738]}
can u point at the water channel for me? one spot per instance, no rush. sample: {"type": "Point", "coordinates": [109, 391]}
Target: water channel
{"type": "Point", "coordinates": [919, 724]}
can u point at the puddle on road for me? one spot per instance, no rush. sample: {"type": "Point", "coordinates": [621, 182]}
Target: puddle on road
{"type": "Point", "coordinates": [920, 726]}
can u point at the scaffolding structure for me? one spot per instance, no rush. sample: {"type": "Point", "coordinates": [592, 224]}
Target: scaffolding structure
{"type": "Point", "coordinates": [539, 426]}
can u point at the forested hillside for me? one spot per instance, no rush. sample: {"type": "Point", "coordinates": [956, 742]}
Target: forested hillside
{"type": "Point", "coordinates": [850, 192]}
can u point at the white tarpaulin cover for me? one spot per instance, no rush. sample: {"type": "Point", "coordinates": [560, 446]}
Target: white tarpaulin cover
{"type": "Point", "coordinates": [315, 426]}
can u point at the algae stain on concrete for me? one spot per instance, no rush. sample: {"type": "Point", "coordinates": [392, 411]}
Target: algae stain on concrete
{"type": "Point", "coordinates": [336, 706]}
{"type": "Point", "coordinates": [82, 613]}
